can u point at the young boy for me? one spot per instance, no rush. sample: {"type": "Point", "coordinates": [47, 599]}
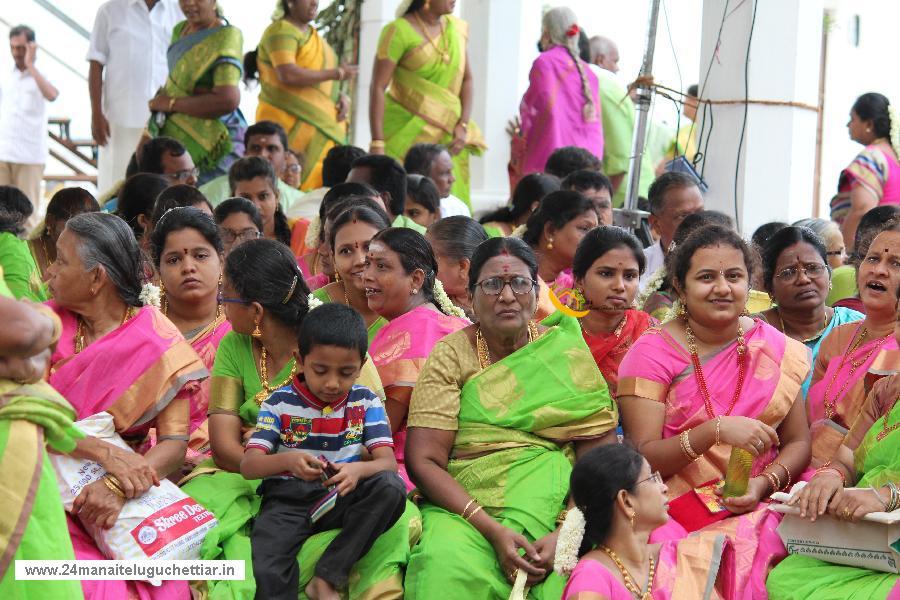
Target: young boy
{"type": "Point", "coordinates": [321, 414]}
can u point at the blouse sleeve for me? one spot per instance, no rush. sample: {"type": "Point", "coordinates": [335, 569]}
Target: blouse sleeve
{"type": "Point", "coordinates": [647, 370]}
{"type": "Point", "coordinates": [173, 421]}
{"type": "Point", "coordinates": [868, 169]}
{"type": "Point", "coordinates": [226, 73]}
{"type": "Point", "coordinates": [589, 576]}
{"type": "Point", "coordinates": [393, 44]}
{"type": "Point", "coordinates": [280, 44]}
{"type": "Point", "coordinates": [226, 390]}
{"type": "Point", "coordinates": [435, 399]}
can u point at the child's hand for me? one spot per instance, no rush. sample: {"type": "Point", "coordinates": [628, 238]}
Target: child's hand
{"type": "Point", "coordinates": [346, 479]}
{"type": "Point", "coordinates": [304, 466]}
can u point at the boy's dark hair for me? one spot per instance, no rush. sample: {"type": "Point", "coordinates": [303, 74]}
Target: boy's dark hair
{"type": "Point", "coordinates": [150, 160]}
{"type": "Point", "coordinates": [569, 159]}
{"type": "Point", "coordinates": [333, 324]}
{"type": "Point", "coordinates": [584, 180]}
{"type": "Point", "coordinates": [337, 163]}
{"type": "Point", "coordinates": [266, 128]}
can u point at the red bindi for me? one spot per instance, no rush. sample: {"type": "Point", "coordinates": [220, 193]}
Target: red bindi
{"type": "Point", "coordinates": [506, 268]}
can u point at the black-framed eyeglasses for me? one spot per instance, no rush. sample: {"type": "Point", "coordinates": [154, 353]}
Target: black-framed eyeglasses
{"type": "Point", "coordinates": [226, 300]}
{"type": "Point", "coordinates": [493, 286]}
{"type": "Point", "coordinates": [184, 175]}
{"type": "Point", "coordinates": [840, 252]}
{"type": "Point", "coordinates": [655, 477]}
{"type": "Point", "coordinates": [811, 270]}
{"type": "Point", "coordinates": [229, 236]}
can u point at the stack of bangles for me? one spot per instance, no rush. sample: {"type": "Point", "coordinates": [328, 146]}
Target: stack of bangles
{"type": "Point", "coordinates": [774, 479]}
{"type": "Point", "coordinates": [827, 467]}
{"type": "Point", "coordinates": [894, 502]}
{"type": "Point", "coordinates": [686, 447]}
{"type": "Point", "coordinates": [114, 485]}
{"type": "Point", "coordinates": [340, 73]}
{"type": "Point", "coordinates": [474, 510]}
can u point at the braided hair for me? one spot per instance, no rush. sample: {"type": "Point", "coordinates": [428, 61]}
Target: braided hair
{"type": "Point", "coordinates": [562, 29]}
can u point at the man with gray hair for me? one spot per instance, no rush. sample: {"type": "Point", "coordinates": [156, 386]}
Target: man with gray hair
{"type": "Point", "coordinates": [604, 53]}
{"type": "Point", "coordinates": [23, 120]}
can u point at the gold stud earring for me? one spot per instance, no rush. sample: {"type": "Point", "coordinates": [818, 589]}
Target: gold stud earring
{"type": "Point", "coordinates": [550, 244]}
{"type": "Point", "coordinates": [337, 277]}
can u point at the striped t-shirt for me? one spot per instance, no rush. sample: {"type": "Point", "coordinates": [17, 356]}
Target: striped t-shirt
{"type": "Point", "coordinates": [294, 419]}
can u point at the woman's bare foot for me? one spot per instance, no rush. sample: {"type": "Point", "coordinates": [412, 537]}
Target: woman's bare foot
{"type": "Point", "coordinates": [319, 589]}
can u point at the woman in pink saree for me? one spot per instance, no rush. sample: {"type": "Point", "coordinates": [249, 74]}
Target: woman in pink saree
{"type": "Point", "coordinates": [401, 286]}
{"type": "Point", "coordinates": [562, 104]}
{"type": "Point", "coordinates": [854, 356]}
{"type": "Point", "coordinates": [713, 380]}
{"type": "Point", "coordinates": [117, 356]}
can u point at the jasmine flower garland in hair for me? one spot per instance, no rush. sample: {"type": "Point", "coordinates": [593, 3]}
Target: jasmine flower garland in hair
{"type": "Point", "coordinates": [443, 301]}
{"type": "Point", "coordinates": [313, 302]}
{"type": "Point", "coordinates": [519, 231]}
{"type": "Point", "coordinates": [312, 233]}
{"type": "Point", "coordinates": [149, 295]}
{"type": "Point", "coordinates": [895, 129]}
{"type": "Point", "coordinates": [568, 542]}
{"type": "Point", "coordinates": [653, 284]}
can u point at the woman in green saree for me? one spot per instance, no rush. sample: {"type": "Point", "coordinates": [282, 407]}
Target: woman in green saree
{"type": "Point", "coordinates": [198, 105]}
{"type": "Point", "coordinates": [265, 305]}
{"type": "Point", "coordinates": [499, 413]}
{"type": "Point", "coordinates": [32, 522]}
{"type": "Point", "coordinates": [422, 55]}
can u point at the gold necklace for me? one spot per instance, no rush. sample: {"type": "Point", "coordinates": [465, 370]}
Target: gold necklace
{"type": "Point", "coordinates": [79, 329]}
{"type": "Point", "coordinates": [830, 405]}
{"type": "Point", "coordinates": [444, 54]}
{"type": "Point", "coordinates": [616, 332]}
{"type": "Point", "coordinates": [484, 353]}
{"type": "Point", "coordinates": [630, 583]}
{"type": "Point", "coordinates": [266, 390]}
{"type": "Point", "coordinates": [346, 296]}
{"type": "Point", "coordinates": [811, 339]}
{"type": "Point", "coordinates": [885, 430]}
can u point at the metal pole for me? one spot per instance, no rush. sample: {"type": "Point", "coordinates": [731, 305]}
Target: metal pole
{"type": "Point", "coordinates": [642, 105]}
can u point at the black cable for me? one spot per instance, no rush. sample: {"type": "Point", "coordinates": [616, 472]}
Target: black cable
{"type": "Point", "coordinates": [737, 163]}
{"type": "Point", "coordinates": [678, 107]}
{"type": "Point", "coordinates": [702, 90]}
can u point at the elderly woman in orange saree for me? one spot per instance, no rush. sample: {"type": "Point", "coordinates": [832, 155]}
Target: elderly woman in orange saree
{"type": "Point", "coordinates": [696, 387]}
{"type": "Point", "coordinates": [855, 355]}
{"type": "Point", "coordinates": [98, 297]}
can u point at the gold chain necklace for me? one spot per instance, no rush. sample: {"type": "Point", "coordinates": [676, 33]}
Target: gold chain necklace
{"type": "Point", "coordinates": [811, 339]}
{"type": "Point", "coordinates": [885, 430]}
{"type": "Point", "coordinates": [484, 353]}
{"type": "Point", "coordinates": [855, 343]}
{"type": "Point", "coordinates": [79, 329]}
{"type": "Point", "coordinates": [263, 394]}
{"type": "Point", "coordinates": [444, 54]}
{"type": "Point", "coordinates": [618, 330]}
{"type": "Point", "coordinates": [630, 583]}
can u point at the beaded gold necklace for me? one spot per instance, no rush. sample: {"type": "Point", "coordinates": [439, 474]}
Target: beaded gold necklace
{"type": "Point", "coordinates": [885, 430]}
{"type": "Point", "coordinates": [484, 353]}
{"type": "Point", "coordinates": [630, 584]}
{"type": "Point", "coordinates": [262, 394]}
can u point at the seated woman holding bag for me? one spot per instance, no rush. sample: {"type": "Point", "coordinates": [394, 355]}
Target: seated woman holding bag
{"type": "Point", "coordinates": [118, 355]}
{"type": "Point", "coordinates": [869, 456]}
{"type": "Point", "coordinates": [709, 381]}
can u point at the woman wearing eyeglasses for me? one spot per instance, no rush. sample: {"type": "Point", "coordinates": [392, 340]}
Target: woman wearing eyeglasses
{"type": "Point", "coordinates": [709, 381]}
{"type": "Point", "coordinates": [401, 286]}
{"type": "Point", "coordinates": [796, 275]}
{"type": "Point", "coordinates": [239, 221]}
{"type": "Point", "coordinates": [853, 356]}
{"type": "Point", "coordinates": [498, 414]}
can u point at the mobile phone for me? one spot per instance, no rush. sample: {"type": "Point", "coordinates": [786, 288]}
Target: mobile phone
{"type": "Point", "coordinates": [328, 471]}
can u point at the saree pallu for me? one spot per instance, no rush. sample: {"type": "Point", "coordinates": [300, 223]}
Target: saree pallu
{"type": "Point", "coordinates": [19, 269]}
{"type": "Point", "coordinates": [33, 522]}
{"type": "Point", "coordinates": [842, 380]}
{"type": "Point", "coordinates": [307, 113]}
{"type": "Point", "coordinates": [212, 143]}
{"type": "Point", "coordinates": [235, 503]}
{"type": "Point", "coordinates": [513, 454]}
{"type": "Point", "coordinates": [399, 351]}
{"type": "Point", "coordinates": [552, 111]}
{"type": "Point", "coordinates": [877, 171]}
{"type": "Point", "coordinates": [658, 368]}
{"type": "Point", "coordinates": [371, 330]}
{"type": "Point", "coordinates": [842, 316]}
{"type": "Point", "coordinates": [608, 349]}
{"type": "Point", "coordinates": [800, 577]}
{"type": "Point", "coordinates": [205, 342]}
{"type": "Point", "coordinates": [161, 369]}
{"type": "Point", "coordinates": [422, 103]}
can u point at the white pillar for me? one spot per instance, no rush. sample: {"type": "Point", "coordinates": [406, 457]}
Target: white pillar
{"type": "Point", "coordinates": [777, 158]}
{"type": "Point", "coordinates": [375, 15]}
{"type": "Point", "coordinates": [502, 45]}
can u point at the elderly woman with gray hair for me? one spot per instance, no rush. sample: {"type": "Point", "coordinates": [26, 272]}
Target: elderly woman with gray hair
{"type": "Point", "coordinates": [118, 354]}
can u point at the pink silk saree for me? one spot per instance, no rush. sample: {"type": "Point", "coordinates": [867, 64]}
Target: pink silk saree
{"type": "Point", "coordinates": [134, 372]}
{"type": "Point", "coordinates": [659, 368]}
{"type": "Point", "coordinates": [552, 112]}
{"type": "Point", "coordinates": [399, 351]}
{"type": "Point", "coordinates": [843, 386]}
{"type": "Point", "coordinates": [205, 343]}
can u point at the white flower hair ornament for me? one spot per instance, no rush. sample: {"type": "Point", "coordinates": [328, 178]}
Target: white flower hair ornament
{"type": "Point", "coordinates": [571, 534]}
{"type": "Point", "coordinates": [149, 295]}
{"type": "Point", "coordinates": [313, 302]}
{"type": "Point", "coordinates": [443, 300]}
{"type": "Point", "coordinates": [312, 233]}
{"type": "Point", "coordinates": [895, 129]}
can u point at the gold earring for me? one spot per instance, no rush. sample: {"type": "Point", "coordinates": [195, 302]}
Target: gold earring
{"type": "Point", "coordinates": [550, 244]}
{"type": "Point", "coordinates": [682, 311]}
{"type": "Point", "coordinates": [219, 299]}
{"type": "Point", "coordinates": [633, 515]}
{"type": "Point", "coordinates": [163, 301]}
{"type": "Point", "coordinates": [256, 332]}
{"type": "Point", "coordinates": [745, 312]}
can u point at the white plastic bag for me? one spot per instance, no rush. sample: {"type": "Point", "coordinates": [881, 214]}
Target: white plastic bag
{"type": "Point", "coordinates": [164, 523]}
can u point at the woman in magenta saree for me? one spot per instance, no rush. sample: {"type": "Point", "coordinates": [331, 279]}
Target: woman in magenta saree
{"type": "Point", "coordinates": [562, 104]}
{"type": "Point", "coordinates": [854, 356]}
{"type": "Point", "coordinates": [401, 286]}
{"type": "Point", "coordinates": [694, 388]}
{"type": "Point", "coordinates": [117, 356]}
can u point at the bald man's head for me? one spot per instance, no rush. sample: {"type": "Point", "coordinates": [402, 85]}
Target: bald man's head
{"type": "Point", "coordinates": [604, 53]}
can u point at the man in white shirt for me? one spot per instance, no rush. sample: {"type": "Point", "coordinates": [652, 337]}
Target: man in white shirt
{"type": "Point", "coordinates": [673, 196]}
{"type": "Point", "coordinates": [129, 42]}
{"type": "Point", "coordinates": [434, 161]}
{"type": "Point", "coordinates": [23, 121]}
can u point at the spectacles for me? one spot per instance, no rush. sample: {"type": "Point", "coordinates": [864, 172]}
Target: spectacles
{"type": "Point", "coordinates": [493, 286]}
{"type": "Point", "coordinates": [184, 175]}
{"type": "Point", "coordinates": [655, 477]}
{"type": "Point", "coordinates": [840, 252]}
{"type": "Point", "coordinates": [234, 300]}
{"type": "Point", "coordinates": [292, 168]}
{"type": "Point", "coordinates": [229, 236]}
{"type": "Point", "coordinates": [811, 270]}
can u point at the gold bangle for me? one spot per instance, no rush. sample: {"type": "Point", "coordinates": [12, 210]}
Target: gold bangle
{"type": "Point", "coordinates": [340, 73]}
{"type": "Point", "coordinates": [686, 445]}
{"type": "Point", "coordinates": [775, 477]}
{"type": "Point", "coordinates": [771, 478]}
{"type": "Point", "coordinates": [113, 488]}
{"type": "Point", "coordinates": [463, 513]}
{"type": "Point", "coordinates": [376, 144]}
{"type": "Point", "coordinates": [172, 104]}
{"type": "Point", "coordinates": [788, 473]}
{"type": "Point", "coordinates": [718, 422]}
{"type": "Point", "coordinates": [474, 512]}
